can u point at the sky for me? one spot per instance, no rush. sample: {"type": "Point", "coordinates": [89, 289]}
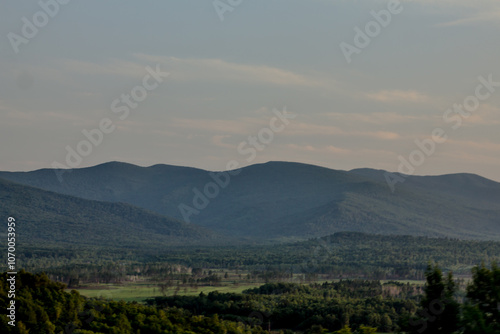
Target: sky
{"type": "Point", "coordinates": [412, 86]}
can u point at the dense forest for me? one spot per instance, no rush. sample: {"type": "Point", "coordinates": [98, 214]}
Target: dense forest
{"type": "Point", "coordinates": [43, 307]}
{"type": "Point", "coordinates": [346, 306]}
{"type": "Point", "coordinates": [341, 255]}
{"type": "Point", "coordinates": [300, 307]}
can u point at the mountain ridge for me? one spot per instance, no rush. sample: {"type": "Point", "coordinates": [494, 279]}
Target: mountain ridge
{"type": "Point", "coordinates": [46, 217]}
{"type": "Point", "coordinates": [281, 199]}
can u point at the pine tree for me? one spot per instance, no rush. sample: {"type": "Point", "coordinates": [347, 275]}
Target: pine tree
{"type": "Point", "coordinates": [482, 310]}
{"type": "Point", "coordinates": [439, 311]}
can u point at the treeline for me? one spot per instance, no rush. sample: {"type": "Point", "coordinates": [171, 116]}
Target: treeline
{"type": "Point", "coordinates": [295, 307]}
{"type": "Point", "coordinates": [342, 255]}
{"type": "Point", "coordinates": [345, 254]}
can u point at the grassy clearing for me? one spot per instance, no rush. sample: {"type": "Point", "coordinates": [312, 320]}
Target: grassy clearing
{"type": "Point", "coordinates": [140, 291]}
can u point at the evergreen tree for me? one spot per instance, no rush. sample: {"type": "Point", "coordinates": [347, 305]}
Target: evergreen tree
{"type": "Point", "coordinates": [482, 309]}
{"type": "Point", "coordinates": [439, 311]}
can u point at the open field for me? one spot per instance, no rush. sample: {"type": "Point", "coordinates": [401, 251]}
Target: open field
{"type": "Point", "coordinates": [140, 291]}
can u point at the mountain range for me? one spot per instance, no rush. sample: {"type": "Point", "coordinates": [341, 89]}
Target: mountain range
{"type": "Point", "coordinates": [270, 201]}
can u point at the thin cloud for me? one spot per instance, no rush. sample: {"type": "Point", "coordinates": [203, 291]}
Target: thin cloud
{"type": "Point", "coordinates": [484, 17]}
{"type": "Point", "coordinates": [336, 150]}
{"type": "Point", "coordinates": [199, 70]}
{"type": "Point", "coordinates": [308, 129]}
{"type": "Point", "coordinates": [390, 96]}
{"type": "Point", "coordinates": [486, 114]}
{"type": "Point", "coordinates": [384, 135]}
{"type": "Point", "coordinates": [380, 118]}
{"type": "Point", "coordinates": [202, 69]}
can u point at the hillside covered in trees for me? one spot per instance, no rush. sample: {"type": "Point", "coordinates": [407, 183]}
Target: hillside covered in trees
{"type": "Point", "coordinates": [280, 200]}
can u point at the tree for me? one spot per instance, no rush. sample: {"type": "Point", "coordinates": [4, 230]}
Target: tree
{"type": "Point", "coordinates": [482, 309]}
{"type": "Point", "coordinates": [439, 311]}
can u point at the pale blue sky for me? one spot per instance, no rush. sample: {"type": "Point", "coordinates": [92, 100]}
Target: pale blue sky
{"type": "Point", "coordinates": [227, 76]}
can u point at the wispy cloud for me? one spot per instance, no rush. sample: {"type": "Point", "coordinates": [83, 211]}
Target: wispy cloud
{"type": "Point", "coordinates": [384, 135]}
{"type": "Point", "coordinates": [486, 114]}
{"type": "Point", "coordinates": [202, 69]}
{"type": "Point", "coordinates": [482, 17]}
{"type": "Point", "coordinates": [398, 96]}
{"type": "Point", "coordinates": [308, 129]}
{"type": "Point", "coordinates": [466, 12]}
{"type": "Point", "coordinates": [380, 118]}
